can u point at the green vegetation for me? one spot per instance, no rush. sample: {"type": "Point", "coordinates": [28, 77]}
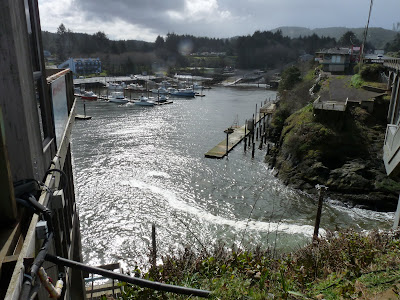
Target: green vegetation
{"type": "Point", "coordinates": [289, 78]}
{"type": "Point", "coordinates": [357, 81]}
{"type": "Point", "coordinates": [346, 265]}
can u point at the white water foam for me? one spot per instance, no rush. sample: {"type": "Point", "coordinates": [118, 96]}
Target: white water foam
{"type": "Point", "coordinates": [177, 204]}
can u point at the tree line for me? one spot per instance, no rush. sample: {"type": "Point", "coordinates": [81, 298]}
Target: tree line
{"type": "Point", "coordinates": [262, 50]}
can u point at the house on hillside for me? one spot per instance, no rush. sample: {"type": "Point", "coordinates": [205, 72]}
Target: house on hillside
{"type": "Point", "coordinates": [82, 66]}
{"type": "Point", "coordinates": [334, 60]}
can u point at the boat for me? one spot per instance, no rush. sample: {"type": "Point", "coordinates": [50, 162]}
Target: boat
{"type": "Point", "coordinates": [162, 98]}
{"type": "Point", "coordinates": [135, 87]}
{"type": "Point", "coordinates": [196, 86]}
{"type": "Point", "coordinates": [115, 86]}
{"type": "Point", "coordinates": [89, 95]}
{"type": "Point", "coordinates": [161, 91]}
{"type": "Point", "coordinates": [183, 93]}
{"type": "Point", "coordinates": [117, 97]}
{"type": "Point", "coordinates": [144, 101]}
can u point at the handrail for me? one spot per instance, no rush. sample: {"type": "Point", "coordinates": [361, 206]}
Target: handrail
{"type": "Point", "coordinates": [125, 278]}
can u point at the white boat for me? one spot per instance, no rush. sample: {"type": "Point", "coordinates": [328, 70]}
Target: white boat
{"type": "Point", "coordinates": [162, 98]}
{"type": "Point", "coordinates": [160, 91]}
{"type": "Point", "coordinates": [89, 95]}
{"type": "Point", "coordinates": [115, 86]}
{"type": "Point", "coordinates": [117, 97]}
{"type": "Point", "coordinates": [144, 101]}
{"type": "Point", "coordinates": [135, 87]}
{"type": "Point", "coordinates": [183, 93]}
{"type": "Point", "coordinates": [196, 86]}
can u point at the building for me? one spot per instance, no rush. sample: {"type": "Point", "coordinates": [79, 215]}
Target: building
{"type": "Point", "coordinates": [82, 66]}
{"type": "Point", "coordinates": [334, 60]}
{"type": "Point", "coordinates": [38, 212]}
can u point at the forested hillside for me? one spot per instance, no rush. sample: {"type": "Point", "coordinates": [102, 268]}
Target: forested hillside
{"type": "Point", "coordinates": [263, 50]}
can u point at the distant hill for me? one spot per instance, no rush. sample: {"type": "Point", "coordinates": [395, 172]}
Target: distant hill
{"type": "Point", "coordinates": [377, 36]}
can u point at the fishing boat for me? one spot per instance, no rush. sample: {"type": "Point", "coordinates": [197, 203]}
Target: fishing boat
{"type": "Point", "coordinates": [183, 93]}
{"type": "Point", "coordinates": [117, 97]}
{"type": "Point", "coordinates": [89, 95]}
{"type": "Point", "coordinates": [144, 101]}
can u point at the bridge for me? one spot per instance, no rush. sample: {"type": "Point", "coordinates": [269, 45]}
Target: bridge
{"type": "Point", "coordinates": [391, 153]}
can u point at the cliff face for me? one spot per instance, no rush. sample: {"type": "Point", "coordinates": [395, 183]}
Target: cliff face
{"type": "Point", "coordinates": [342, 152]}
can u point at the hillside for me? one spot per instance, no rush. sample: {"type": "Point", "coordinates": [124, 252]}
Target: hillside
{"type": "Point", "coordinates": [339, 151]}
{"type": "Point", "coordinates": [377, 36]}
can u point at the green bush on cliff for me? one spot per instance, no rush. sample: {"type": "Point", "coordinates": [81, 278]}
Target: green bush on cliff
{"type": "Point", "coordinates": [303, 136]}
{"type": "Point", "coordinates": [289, 78]}
{"type": "Point", "coordinates": [345, 264]}
{"type": "Point", "coordinates": [371, 72]}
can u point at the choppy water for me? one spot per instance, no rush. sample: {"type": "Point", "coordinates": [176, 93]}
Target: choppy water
{"type": "Point", "coordinates": [135, 166]}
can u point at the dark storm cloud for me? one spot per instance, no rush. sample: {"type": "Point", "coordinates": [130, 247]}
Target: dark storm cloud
{"type": "Point", "coordinates": [148, 14]}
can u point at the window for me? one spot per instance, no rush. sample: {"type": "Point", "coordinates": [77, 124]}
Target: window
{"type": "Point", "coordinates": [39, 77]}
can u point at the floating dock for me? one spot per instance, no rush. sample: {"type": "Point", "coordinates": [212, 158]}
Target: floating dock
{"type": "Point", "coordinates": [234, 138]}
{"type": "Point", "coordinates": [238, 134]}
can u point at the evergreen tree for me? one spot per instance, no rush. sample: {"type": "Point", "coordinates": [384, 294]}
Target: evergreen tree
{"type": "Point", "coordinates": [61, 42]}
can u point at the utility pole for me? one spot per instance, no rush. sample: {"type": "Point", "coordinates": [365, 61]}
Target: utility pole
{"type": "Point", "coordinates": [365, 35]}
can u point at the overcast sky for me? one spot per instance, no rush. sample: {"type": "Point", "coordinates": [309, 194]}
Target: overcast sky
{"type": "Point", "coordinates": [146, 19]}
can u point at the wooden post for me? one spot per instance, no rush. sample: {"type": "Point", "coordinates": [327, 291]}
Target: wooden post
{"type": "Point", "coordinates": [321, 189]}
{"type": "Point", "coordinates": [245, 143]}
{"type": "Point", "coordinates": [227, 143]}
{"type": "Point", "coordinates": [154, 246]}
{"type": "Point", "coordinates": [257, 133]}
{"type": "Point", "coordinates": [397, 216]}
{"type": "Point", "coordinates": [252, 152]}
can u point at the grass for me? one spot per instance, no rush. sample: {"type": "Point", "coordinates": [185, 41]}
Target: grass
{"type": "Point", "coordinates": [356, 81]}
{"type": "Point", "coordinates": [342, 265]}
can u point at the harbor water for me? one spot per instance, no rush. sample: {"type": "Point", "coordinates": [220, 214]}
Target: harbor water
{"type": "Point", "coordinates": [134, 166]}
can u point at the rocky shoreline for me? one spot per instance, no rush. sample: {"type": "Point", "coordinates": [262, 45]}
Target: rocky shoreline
{"type": "Point", "coordinates": [347, 158]}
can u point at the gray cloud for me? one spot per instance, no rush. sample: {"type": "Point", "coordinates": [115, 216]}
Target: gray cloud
{"type": "Point", "coordinates": [146, 19]}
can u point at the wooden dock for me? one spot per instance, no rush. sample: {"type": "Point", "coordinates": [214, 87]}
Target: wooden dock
{"type": "Point", "coordinates": [238, 134]}
{"type": "Point", "coordinates": [234, 138]}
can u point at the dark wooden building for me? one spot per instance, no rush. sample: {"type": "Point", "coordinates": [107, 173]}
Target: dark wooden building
{"type": "Point", "coordinates": [36, 116]}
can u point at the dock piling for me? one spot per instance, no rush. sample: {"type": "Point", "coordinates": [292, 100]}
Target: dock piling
{"type": "Point", "coordinates": [154, 246]}
{"type": "Point", "coordinates": [252, 152]}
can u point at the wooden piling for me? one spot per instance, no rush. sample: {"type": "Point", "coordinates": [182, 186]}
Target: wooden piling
{"type": "Point", "coordinates": [252, 152]}
{"type": "Point", "coordinates": [321, 189]}
{"type": "Point", "coordinates": [227, 143]}
{"type": "Point", "coordinates": [154, 246]}
{"type": "Point", "coordinates": [257, 133]}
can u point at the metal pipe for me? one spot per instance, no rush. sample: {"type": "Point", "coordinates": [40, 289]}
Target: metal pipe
{"type": "Point", "coordinates": [125, 278]}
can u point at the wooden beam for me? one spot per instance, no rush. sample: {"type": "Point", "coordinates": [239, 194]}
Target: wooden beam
{"type": "Point", "coordinates": [8, 206]}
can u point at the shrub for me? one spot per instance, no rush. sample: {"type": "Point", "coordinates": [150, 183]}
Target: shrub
{"type": "Point", "coordinates": [371, 72]}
